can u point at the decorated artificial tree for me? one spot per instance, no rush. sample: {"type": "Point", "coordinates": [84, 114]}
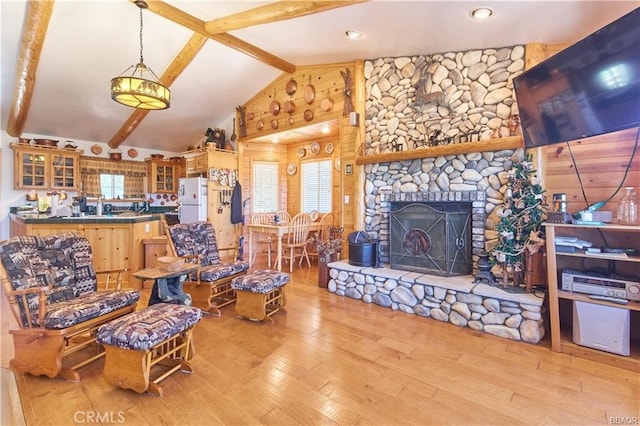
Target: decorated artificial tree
{"type": "Point", "coordinates": [521, 215]}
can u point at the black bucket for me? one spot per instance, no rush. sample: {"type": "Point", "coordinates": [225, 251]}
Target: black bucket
{"type": "Point", "coordinates": [363, 249]}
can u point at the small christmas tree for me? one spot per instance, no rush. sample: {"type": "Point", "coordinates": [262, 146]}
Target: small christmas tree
{"type": "Point", "coordinates": [522, 212]}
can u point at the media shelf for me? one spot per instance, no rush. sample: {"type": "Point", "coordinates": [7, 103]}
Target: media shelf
{"type": "Point", "coordinates": [561, 335]}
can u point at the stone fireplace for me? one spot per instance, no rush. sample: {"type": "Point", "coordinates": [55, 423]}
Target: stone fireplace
{"type": "Point", "coordinates": [422, 101]}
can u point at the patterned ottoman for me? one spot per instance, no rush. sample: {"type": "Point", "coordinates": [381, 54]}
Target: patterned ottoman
{"type": "Point", "coordinates": [157, 336]}
{"type": "Point", "coordinates": [260, 293]}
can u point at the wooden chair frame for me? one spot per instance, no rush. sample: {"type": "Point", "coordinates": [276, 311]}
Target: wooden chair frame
{"type": "Point", "coordinates": [206, 295]}
{"type": "Point", "coordinates": [40, 350]}
{"type": "Point", "coordinates": [297, 238]}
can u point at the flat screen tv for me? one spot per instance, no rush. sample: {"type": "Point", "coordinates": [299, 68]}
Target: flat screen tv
{"type": "Point", "coordinates": [590, 88]}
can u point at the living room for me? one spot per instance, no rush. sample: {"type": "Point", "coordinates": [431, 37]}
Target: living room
{"type": "Point", "coordinates": [328, 358]}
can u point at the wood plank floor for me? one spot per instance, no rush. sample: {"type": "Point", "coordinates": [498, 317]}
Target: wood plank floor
{"type": "Point", "coordinates": [332, 360]}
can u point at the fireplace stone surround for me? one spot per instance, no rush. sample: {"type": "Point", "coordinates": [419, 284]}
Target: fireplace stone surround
{"type": "Point", "coordinates": [480, 178]}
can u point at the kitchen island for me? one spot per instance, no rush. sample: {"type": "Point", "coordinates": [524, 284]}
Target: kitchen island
{"type": "Point", "coordinates": [116, 241]}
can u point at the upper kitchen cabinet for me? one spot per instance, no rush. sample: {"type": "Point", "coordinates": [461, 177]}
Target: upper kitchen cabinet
{"type": "Point", "coordinates": [195, 163]}
{"type": "Point", "coordinates": [164, 175]}
{"type": "Point", "coordinates": [46, 168]}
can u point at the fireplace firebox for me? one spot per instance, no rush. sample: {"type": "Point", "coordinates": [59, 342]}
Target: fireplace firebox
{"type": "Point", "coordinates": [431, 237]}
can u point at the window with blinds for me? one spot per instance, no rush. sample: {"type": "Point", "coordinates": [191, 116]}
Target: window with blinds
{"type": "Point", "coordinates": [316, 186]}
{"type": "Point", "coordinates": [264, 191]}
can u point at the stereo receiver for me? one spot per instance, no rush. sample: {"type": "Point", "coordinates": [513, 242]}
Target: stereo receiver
{"type": "Point", "coordinates": [599, 284]}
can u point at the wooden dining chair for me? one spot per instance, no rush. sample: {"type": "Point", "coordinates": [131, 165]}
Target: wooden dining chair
{"type": "Point", "coordinates": [285, 216]}
{"type": "Point", "coordinates": [262, 239]}
{"type": "Point", "coordinates": [295, 244]}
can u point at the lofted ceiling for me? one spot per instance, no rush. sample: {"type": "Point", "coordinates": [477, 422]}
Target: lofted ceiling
{"type": "Point", "coordinates": [89, 42]}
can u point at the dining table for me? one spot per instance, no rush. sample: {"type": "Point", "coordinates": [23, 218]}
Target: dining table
{"type": "Point", "coordinates": [279, 230]}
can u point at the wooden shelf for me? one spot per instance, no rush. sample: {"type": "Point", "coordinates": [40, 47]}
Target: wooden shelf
{"type": "Point", "coordinates": [561, 336]}
{"type": "Point", "coordinates": [583, 254]}
{"type": "Point", "coordinates": [631, 362]}
{"type": "Point", "coordinates": [512, 142]}
{"type": "Point", "coordinates": [632, 306]}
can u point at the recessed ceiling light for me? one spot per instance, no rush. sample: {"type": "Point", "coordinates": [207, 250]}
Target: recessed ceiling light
{"type": "Point", "coordinates": [353, 34]}
{"type": "Point", "coordinates": [481, 13]}
{"type": "Point", "coordinates": [275, 140]}
{"type": "Point", "coordinates": [325, 129]}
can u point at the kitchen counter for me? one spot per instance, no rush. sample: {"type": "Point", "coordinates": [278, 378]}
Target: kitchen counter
{"type": "Point", "coordinates": [44, 219]}
{"type": "Point", "coordinates": [116, 241]}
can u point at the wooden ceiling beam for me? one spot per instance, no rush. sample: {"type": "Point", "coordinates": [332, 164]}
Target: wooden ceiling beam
{"type": "Point", "coordinates": [273, 12]}
{"type": "Point", "coordinates": [34, 31]}
{"type": "Point", "coordinates": [191, 22]}
{"type": "Point", "coordinates": [179, 63]}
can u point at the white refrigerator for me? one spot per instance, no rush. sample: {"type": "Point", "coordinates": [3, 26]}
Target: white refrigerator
{"type": "Point", "coordinates": [192, 199]}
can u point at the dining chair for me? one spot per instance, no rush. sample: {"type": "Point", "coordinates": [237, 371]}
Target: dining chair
{"type": "Point", "coordinates": [262, 239]}
{"type": "Point", "coordinates": [285, 216]}
{"type": "Point", "coordinates": [295, 244]}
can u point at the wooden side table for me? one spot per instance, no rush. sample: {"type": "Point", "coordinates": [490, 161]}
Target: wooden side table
{"type": "Point", "coordinates": [154, 248]}
{"type": "Point", "coordinates": [167, 286]}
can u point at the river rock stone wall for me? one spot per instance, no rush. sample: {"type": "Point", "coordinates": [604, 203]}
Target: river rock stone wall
{"type": "Point", "coordinates": [460, 94]}
{"type": "Point", "coordinates": [456, 300]}
{"type": "Point", "coordinates": [451, 177]}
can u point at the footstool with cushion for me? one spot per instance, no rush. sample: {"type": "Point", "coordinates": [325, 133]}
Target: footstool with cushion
{"type": "Point", "coordinates": [260, 294]}
{"type": "Point", "coordinates": [157, 336]}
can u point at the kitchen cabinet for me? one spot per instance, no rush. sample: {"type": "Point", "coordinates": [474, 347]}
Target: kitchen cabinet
{"type": "Point", "coordinates": [46, 168]}
{"type": "Point", "coordinates": [163, 176]}
{"type": "Point", "coordinates": [195, 163]}
{"type": "Point", "coordinates": [561, 301]}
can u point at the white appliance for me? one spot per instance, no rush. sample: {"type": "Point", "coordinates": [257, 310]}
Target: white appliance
{"type": "Point", "coordinates": [606, 328]}
{"type": "Point", "coordinates": [192, 199]}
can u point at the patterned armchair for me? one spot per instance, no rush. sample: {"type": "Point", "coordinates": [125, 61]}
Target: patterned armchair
{"type": "Point", "coordinates": [52, 291]}
{"type": "Point", "coordinates": [210, 286]}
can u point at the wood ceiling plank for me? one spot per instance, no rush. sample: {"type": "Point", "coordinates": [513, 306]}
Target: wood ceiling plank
{"type": "Point", "coordinates": [191, 22]}
{"type": "Point", "coordinates": [36, 23]}
{"type": "Point", "coordinates": [179, 63]}
{"type": "Point", "coordinates": [273, 12]}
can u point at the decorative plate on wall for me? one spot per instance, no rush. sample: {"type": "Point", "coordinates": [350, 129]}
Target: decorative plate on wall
{"type": "Point", "coordinates": [291, 169]}
{"type": "Point", "coordinates": [315, 148]}
{"type": "Point", "coordinates": [302, 152]}
{"type": "Point", "coordinates": [96, 149]}
{"type": "Point", "coordinates": [328, 148]}
{"type": "Point", "coordinates": [337, 164]}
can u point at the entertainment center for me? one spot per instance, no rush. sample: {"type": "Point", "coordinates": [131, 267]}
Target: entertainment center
{"type": "Point", "coordinates": [561, 301]}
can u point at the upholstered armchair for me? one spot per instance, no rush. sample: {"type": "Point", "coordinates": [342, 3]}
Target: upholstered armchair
{"type": "Point", "coordinates": [52, 290]}
{"type": "Point", "coordinates": [210, 286]}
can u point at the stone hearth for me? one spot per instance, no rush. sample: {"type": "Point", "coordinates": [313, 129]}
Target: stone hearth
{"type": "Point", "coordinates": [456, 300]}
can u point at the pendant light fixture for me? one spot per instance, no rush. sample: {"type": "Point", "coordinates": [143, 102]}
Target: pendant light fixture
{"type": "Point", "coordinates": [141, 89]}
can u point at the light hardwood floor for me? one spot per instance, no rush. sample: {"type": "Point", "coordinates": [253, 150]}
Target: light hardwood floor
{"type": "Point", "coordinates": [332, 360]}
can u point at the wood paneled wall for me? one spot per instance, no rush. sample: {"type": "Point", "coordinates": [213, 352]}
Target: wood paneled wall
{"type": "Point", "coordinates": [600, 162]}
{"type": "Point", "coordinates": [328, 82]}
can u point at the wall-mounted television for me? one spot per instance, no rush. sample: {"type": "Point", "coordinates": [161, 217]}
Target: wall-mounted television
{"type": "Point", "coordinates": [590, 88]}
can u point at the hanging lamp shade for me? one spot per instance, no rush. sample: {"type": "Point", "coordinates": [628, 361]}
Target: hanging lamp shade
{"type": "Point", "coordinates": [137, 91]}
{"type": "Point", "coordinates": [141, 89]}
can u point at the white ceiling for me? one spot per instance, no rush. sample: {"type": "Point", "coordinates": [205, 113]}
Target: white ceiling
{"type": "Point", "coordinates": [90, 42]}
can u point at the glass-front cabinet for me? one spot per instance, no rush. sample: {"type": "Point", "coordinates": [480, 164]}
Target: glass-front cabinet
{"type": "Point", "coordinates": [42, 169]}
{"type": "Point", "coordinates": [163, 176]}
